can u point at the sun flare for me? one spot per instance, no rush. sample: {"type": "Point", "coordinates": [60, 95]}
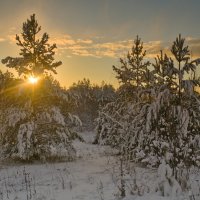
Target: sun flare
{"type": "Point", "coordinates": [33, 80]}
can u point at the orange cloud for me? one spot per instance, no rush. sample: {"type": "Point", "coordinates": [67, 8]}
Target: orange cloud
{"type": "Point", "coordinates": [194, 46]}
{"type": "Point", "coordinates": [62, 40]}
{"type": "Point", "coordinates": [82, 41]}
{"type": "Point", "coordinates": [89, 47]}
{"type": "Point", "coordinates": [2, 39]}
{"type": "Point", "coordinates": [11, 38]}
{"type": "Point", "coordinates": [95, 47]}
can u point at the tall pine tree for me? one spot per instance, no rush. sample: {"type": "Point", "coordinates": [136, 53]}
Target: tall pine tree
{"type": "Point", "coordinates": [35, 127]}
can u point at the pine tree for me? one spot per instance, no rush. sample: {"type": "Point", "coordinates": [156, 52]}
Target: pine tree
{"type": "Point", "coordinates": [133, 71]}
{"type": "Point", "coordinates": [165, 125]}
{"type": "Point", "coordinates": [169, 126]}
{"type": "Point", "coordinates": [36, 55]}
{"type": "Point", "coordinates": [136, 79]}
{"type": "Point", "coordinates": [35, 126]}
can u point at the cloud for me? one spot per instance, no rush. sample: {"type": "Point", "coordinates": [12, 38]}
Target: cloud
{"type": "Point", "coordinates": [111, 49]}
{"type": "Point", "coordinates": [95, 47]}
{"type": "Point", "coordinates": [2, 39]}
{"type": "Point", "coordinates": [194, 46]}
{"type": "Point", "coordinates": [11, 38]}
{"type": "Point", "coordinates": [153, 48]}
{"type": "Point", "coordinates": [62, 40]}
{"type": "Point", "coordinates": [82, 52]}
{"type": "Point", "coordinates": [82, 41]}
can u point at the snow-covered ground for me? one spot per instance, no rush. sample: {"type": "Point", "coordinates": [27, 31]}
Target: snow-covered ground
{"type": "Point", "coordinates": [92, 176]}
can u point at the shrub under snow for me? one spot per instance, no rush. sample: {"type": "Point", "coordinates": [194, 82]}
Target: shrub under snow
{"type": "Point", "coordinates": [43, 136]}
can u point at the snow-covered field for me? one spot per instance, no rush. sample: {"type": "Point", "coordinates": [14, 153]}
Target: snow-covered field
{"type": "Point", "coordinates": [92, 176]}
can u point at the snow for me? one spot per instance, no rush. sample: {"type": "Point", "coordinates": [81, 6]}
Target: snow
{"type": "Point", "coordinates": [92, 176]}
{"type": "Point", "coordinates": [24, 134]}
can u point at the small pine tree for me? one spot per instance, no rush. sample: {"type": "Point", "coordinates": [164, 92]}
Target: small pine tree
{"type": "Point", "coordinates": [133, 72]}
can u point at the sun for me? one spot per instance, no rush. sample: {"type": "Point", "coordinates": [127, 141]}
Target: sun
{"type": "Point", "coordinates": [33, 80]}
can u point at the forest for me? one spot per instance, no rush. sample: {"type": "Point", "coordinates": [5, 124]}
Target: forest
{"type": "Point", "coordinates": [144, 135]}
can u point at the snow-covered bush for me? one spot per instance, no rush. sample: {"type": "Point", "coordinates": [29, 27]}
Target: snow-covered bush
{"type": "Point", "coordinates": [36, 130]}
{"type": "Point", "coordinates": [113, 123]}
{"type": "Point", "coordinates": [167, 184]}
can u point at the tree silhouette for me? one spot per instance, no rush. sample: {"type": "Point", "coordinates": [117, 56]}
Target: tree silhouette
{"type": "Point", "coordinates": [36, 54]}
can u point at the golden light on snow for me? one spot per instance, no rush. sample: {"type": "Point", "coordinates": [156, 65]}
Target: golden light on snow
{"type": "Point", "coordinates": [33, 80]}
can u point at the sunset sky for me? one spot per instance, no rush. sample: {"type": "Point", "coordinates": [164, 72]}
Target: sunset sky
{"type": "Point", "coordinates": [91, 35]}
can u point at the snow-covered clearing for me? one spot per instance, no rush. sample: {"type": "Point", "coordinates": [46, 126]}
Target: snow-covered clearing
{"type": "Point", "coordinates": [92, 176]}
